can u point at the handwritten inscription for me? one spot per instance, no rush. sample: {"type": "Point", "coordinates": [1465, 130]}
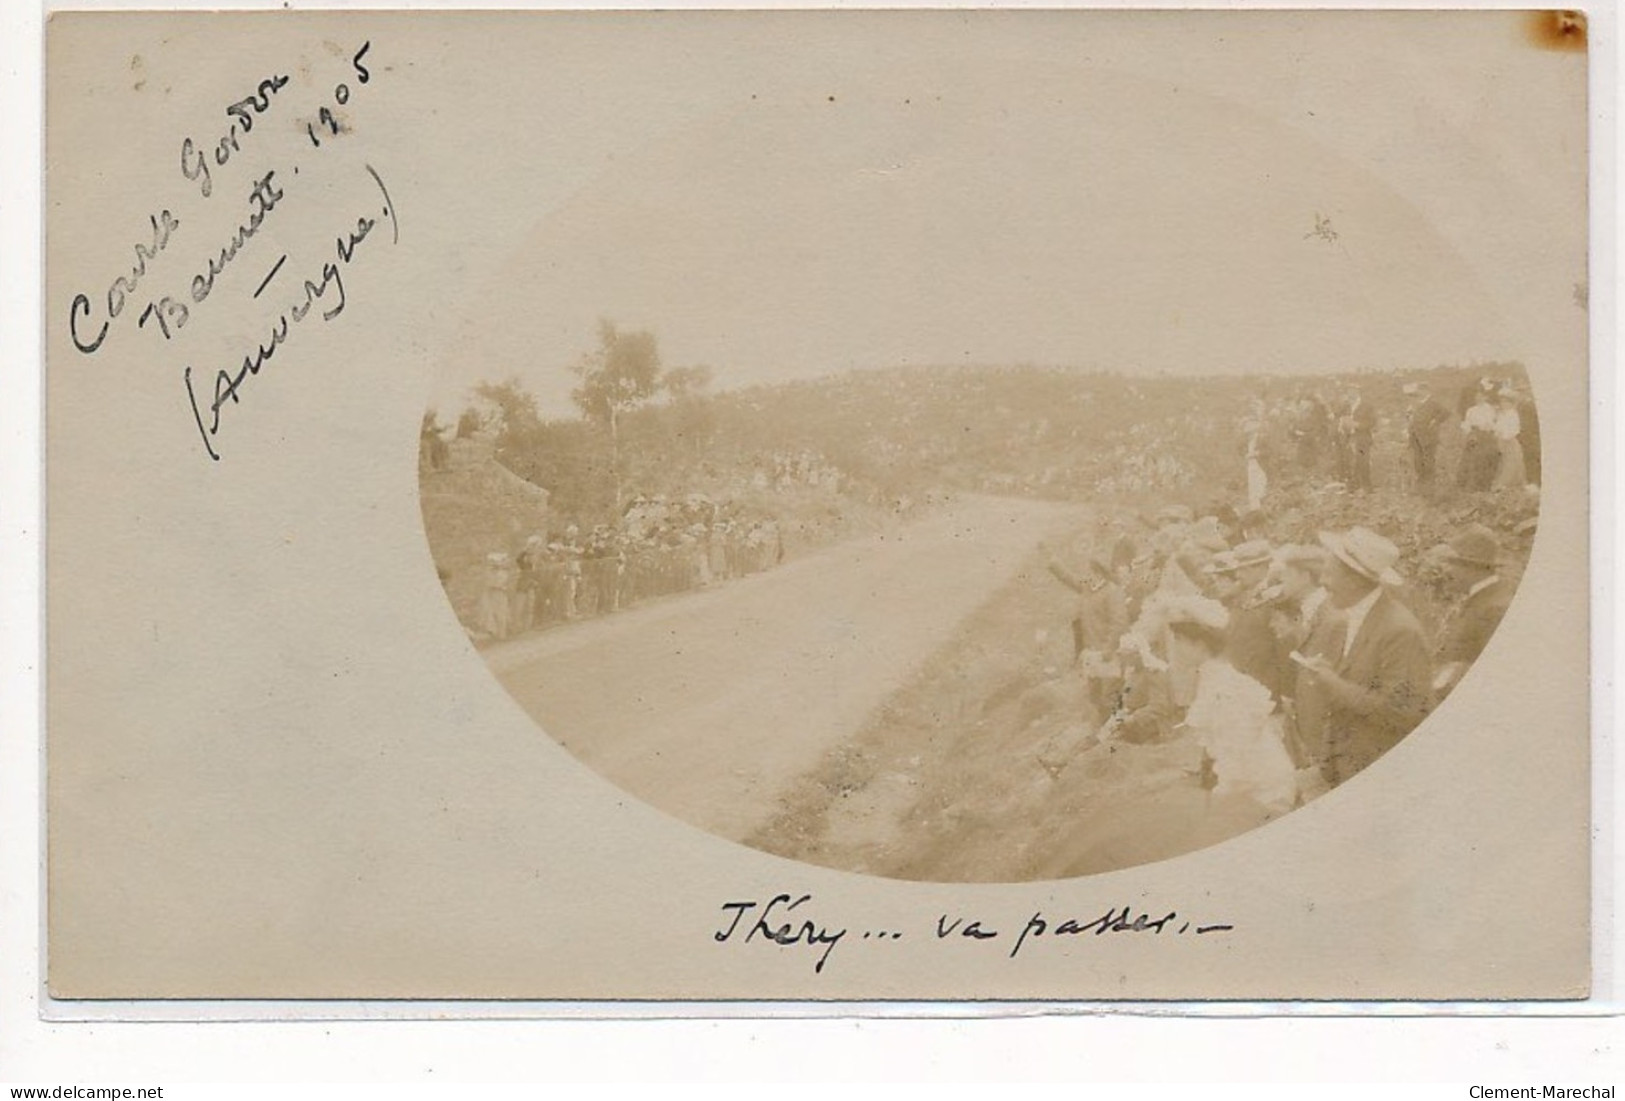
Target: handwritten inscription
{"type": "Point", "coordinates": [195, 163]}
{"type": "Point", "coordinates": [780, 928]}
{"type": "Point", "coordinates": [315, 290]}
{"type": "Point", "coordinates": [325, 117]}
{"type": "Point", "coordinates": [791, 922]}
{"type": "Point", "coordinates": [119, 291]}
{"type": "Point", "coordinates": [166, 310]}
{"type": "Point", "coordinates": [171, 314]}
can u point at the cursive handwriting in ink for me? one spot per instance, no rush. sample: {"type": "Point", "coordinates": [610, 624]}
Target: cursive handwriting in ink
{"type": "Point", "coordinates": [122, 287]}
{"type": "Point", "coordinates": [781, 923]}
{"type": "Point", "coordinates": [260, 101]}
{"type": "Point", "coordinates": [172, 315]}
{"type": "Point", "coordinates": [194, 159]}
{"type": "Point", "coordinates": [1112, 921]}
{"type": "Point", "coordinates": [389, 205]}
{"type": "Point", "coordinates": [973, 931]}
{"type": "Point", "coordinates": [789, 932]}
{"type": "Point", "coordinates": [361, 72]}
{"type": "Point", "coordinates": [341, 96]}
{"type": "Point", "coordinates": [228, 385]}
{"type": "Point", "coordinates": [263, 199]}
{"type": "Point", "coordinates": [270, 275]}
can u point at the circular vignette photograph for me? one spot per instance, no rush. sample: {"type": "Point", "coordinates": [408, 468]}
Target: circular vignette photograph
{"type": "Point", "coordinates": [886, 486]}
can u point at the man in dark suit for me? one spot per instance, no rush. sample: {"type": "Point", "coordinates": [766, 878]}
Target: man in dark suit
{"type": "Point", "coordinates": [1364, 420]}
{"type": "Point", "coordinates": [1529, 437]}
{"type": "Point", "coordinates": [1473, 557]}
{"type": "Point", "coordinates": [1427, 418]}
{"type": "Point", "coordinates": [1364, 679]}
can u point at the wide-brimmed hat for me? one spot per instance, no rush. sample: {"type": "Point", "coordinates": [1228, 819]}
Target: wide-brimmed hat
{"type": "Point", "coordinates": [1474, 545]}
{"type": "Point", "coordinates": [1255, 552]}
{"type": "Point", "coordinates": [1197, 611]}
{"type": "Point", "coordinates": [1365, 552]}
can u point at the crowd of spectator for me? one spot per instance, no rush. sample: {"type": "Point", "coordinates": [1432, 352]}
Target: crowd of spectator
{"type": "Point", "coordinates": [1280, 644]}
{"type": "Point", "coordinates": [661, 546]}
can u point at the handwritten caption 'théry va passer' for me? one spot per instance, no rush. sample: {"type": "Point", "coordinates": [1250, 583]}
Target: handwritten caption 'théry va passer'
{"type": "Point", "coordinates": [788, 922]}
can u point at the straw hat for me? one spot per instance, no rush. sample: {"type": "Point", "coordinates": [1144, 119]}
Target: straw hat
{"type": "Point", "coordinates": [1198, 611]}
{"type": "Point", "coordinates": [1365, 552]}
{"type": "Point", "coordinates": [1254, 552]}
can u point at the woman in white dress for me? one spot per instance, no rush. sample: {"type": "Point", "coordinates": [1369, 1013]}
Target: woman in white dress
{"type": "Point", "coordinates": [1508, 427]}
{"type": "Point", "coordinates": [1250, 774]}
{"type": "Point", "coordinates": [1258, 482]}
{"type": "Point", "coordinates": [1480, 449]}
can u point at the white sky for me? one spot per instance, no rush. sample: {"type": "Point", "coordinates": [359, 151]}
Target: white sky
{"type": "Point", "coordinates": [1134, 192]}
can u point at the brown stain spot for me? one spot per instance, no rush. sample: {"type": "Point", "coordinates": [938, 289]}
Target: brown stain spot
{"type": "Point", "coordinates": [1557, 29]}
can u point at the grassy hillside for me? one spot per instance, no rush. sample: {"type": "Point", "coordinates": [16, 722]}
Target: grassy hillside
{"type": "Point", "coordinates": [470, 512]}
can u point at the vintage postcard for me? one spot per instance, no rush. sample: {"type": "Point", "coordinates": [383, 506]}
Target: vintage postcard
{"type": "Point", "coordinates": [818, 506]}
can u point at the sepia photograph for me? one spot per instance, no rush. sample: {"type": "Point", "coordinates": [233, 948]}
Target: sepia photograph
{"type": "Point", "coordinates": [880, 485]}
{"type": "Point", "coordinates": [817, 507]}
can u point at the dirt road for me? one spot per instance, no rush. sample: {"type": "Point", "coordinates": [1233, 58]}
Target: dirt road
{"type": "Point", "coordinates": [708, 706]}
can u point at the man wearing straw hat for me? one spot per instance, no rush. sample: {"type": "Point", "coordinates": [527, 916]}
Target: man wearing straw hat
{"type": "Point", "coordinates": [1364, 677]}
{"type": "Point", "coordinates": [1473, 557]}
{"type": "Point", "coordinates": [1251, 645]}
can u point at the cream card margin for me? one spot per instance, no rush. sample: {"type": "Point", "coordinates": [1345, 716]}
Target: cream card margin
{"type": "Point", "coordinates": [277, 770]}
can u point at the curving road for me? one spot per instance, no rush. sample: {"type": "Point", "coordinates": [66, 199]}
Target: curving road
{"type": "Point", "coordinates": [708, 705]}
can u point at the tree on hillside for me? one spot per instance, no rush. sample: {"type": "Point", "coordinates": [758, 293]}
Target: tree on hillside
{"type": "Point", "coordinates": [620, 375]}
{"type": "Point", "coordinates": [695, 421]}
{"type": "Point", "coordinates": [686, 382]}
{"type": "Point", "coordinates": [513, 411]}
